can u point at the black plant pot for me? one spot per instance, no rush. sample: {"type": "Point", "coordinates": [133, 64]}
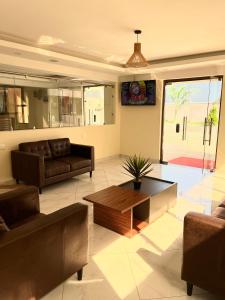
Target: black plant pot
{"type": "Point", "coordinates": [137, 185]}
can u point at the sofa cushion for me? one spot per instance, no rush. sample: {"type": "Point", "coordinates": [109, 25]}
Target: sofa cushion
{"type": "Point", "coordinates": [3, 226]}
{"type": "Point", "coordinates": [60, 147]}
{"type": "Point", "coordinates": [40, 147]}
{"type": "Point", "coordinates": [219, 212]}
{"type": "Point", "coordinates": [55, 167]}
{"type": "Point", "coordinates": [76, 162]}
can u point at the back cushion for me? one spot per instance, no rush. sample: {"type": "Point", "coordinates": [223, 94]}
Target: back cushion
{"type": "Point", "coordinates": [40, 147]}
{"type": "Point", "coordinates": [3, 226]}
{"type": "Point", "coordinates": [60, 147]}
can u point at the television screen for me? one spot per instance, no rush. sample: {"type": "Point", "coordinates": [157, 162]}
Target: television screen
{"type": "Point", "coordinates": [138, 92]}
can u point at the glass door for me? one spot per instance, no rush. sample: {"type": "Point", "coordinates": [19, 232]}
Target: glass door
{"type": "Point", "coordinates": [176, 113]}
{"type": "Point", "coordinates": [191, 118]}
{"type": "Point", "coordinates": [211, 124]}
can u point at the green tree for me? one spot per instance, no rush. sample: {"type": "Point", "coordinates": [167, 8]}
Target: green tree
{"type": "Point", "coordinates": [213, 115]}
{"type": "Point", "coordinates": [179, 96]}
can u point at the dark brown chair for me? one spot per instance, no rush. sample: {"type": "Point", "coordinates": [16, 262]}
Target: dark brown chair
{"type": "Point", "coordinates": [37, 251]}
{"type": "Point", "coordinates": [45, 162]}
{"type": "Point", "coordinates": [204, 251]}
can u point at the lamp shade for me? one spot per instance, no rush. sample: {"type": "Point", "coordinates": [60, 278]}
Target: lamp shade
{"type": "Point", "coordinates": [137, 60]}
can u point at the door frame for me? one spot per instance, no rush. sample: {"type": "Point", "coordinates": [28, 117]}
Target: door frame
{"type": "Point", "coordinates": [163, 109]}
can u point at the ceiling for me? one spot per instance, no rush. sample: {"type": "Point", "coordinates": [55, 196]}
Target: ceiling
{"type": "Point", "coordinates": [102, 30]}
{"type": "Point", "coordinates": [94, 39]}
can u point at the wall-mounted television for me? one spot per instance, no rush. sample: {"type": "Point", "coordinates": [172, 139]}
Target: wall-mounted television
{"type": "Point", "coordinates": [142, 92]}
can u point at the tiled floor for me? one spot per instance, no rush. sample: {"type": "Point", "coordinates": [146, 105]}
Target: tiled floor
{"type": "Point", "coordinates": [148, 265]}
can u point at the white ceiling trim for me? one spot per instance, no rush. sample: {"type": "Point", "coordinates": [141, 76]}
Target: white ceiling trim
{"type": "Point", "coordinates": [60, 57]}
{"type": "Point", "coordinates": [38, 59]}
{"type": "Point", "coordinates": [50, 68]}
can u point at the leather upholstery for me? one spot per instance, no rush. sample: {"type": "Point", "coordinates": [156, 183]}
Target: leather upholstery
{"type": "Point", "coordinates": [204, 251]}
{"type": "Point", "coordinates": [39, 168]}
{"type": "Point", "coordinates": [41, 147]}
{"type": "Point", "coordinates": [27, 220]}
{"type": "Point", "coordinates": [219, 212]}
{"type": "Point", "coordinates": [38, 255]}
{"type": "Point", "coordinates": [54, 167]}
{"type": "Point", "coordinates": [28, 167]}
{"type": "Point", "coordinates": [18, 202]}
{"type": "Point", "coordinates": [76, 162]}
{"type": "Point", "coordinates": [60, 147]}
{"type": "Point", "coordinates": [84, 151]}
{"type": "Point", "coordinates": [3, 226]}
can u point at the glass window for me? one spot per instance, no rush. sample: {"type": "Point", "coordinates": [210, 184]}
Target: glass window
{"type": "Point", "coordinates": [37, 104]}
{"type": "Point", "coordinates": [99, 105]}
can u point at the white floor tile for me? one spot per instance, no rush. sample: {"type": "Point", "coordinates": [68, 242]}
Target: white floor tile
{"type": "Point", "coordinates": [147, 266]}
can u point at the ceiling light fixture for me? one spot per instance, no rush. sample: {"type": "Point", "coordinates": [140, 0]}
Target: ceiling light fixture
{"type": "Point", "coordinates": [137, 60]}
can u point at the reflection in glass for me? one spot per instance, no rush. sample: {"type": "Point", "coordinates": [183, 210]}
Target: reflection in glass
{"type": "Point", "coordinates": [27, 104]}
{"type": "Point", "coordinates": [54, 118]}
{"type": "Point", "coordinates": [99, 105]}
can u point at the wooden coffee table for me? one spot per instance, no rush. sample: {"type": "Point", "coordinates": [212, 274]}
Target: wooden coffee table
{"type": "Point", "coordinates": [126, 211]}
{"type": "Point", "coordinates": [116, 208]}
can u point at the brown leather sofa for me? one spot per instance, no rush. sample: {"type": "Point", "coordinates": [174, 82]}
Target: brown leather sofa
{"type": "Point", "coordinates": [37, 251]}
{"type": "Point", "coordinates": [45, 162]}
{"type": "Point", "coordinates": [204, 251]}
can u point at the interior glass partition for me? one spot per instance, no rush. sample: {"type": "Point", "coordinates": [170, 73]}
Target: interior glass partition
{"type": "Point", "coordinates": [38, 103]}
{"type": "Point", "coordinates": [99, 105]}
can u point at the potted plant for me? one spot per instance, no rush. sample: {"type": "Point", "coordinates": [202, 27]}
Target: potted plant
{"type": "Point", "coordinates": [137, 167]}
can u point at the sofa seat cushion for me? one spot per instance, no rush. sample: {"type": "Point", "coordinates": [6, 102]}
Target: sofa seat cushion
{"type": "Point", "coordinates": [76, 162]}
{"type": "Point", "coordinates": [26, 220]}
{"type": "Point", "coordinates": [219, 212]}
{"type": "Point", "coordinates": [55, 167]}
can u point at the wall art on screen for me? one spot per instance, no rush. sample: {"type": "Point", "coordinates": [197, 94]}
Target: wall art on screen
{"type": "Point", "coordinates": [141, 92]}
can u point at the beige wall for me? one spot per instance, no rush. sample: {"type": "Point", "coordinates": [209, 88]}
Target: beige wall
{"type": "Point", "coordinates": [136, 130]}
{"type": "Point", "coordinates": [106, 140]}
{"type": "Point", "coordinates": [140, 125]}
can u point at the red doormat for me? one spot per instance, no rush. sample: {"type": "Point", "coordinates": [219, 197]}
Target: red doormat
{"type": "Point", "coordinates": [192, 162]}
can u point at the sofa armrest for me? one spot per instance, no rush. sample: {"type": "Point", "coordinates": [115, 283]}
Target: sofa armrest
{"type": "Point", "coordinates": [43, 253]}
{"type": "Point", "coordinates": [203, 249]}
{"type": "Point", "coordinates": [84, 151]}
{"type": "Point", "coordinates": [28, 167]}
{"type": "Point", "coordinates": [18, 203]}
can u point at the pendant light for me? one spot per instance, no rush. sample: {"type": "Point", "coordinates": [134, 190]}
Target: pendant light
{"type": "Point", "coordinates": [137, 60]}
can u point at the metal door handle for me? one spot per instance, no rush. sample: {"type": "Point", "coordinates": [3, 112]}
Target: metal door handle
{"type": "Point", "coordinates": [177, 128]}
{"type": "Point", "coordinates": [183, 130]}
{"type": "Point", "coordinates": [210, 131]}
{"type": "Point", "coordinates": [207, 123]}
{"type": "Point", "coordinates": [204, 131]}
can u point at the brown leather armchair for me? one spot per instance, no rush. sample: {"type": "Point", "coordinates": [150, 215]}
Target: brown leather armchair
{"type": "Point", "coordinates": [204, 251]}
{"type": "Point", "coordinates": [45, 162]}
{"type": "Point", "coordinates": [39, 251]}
